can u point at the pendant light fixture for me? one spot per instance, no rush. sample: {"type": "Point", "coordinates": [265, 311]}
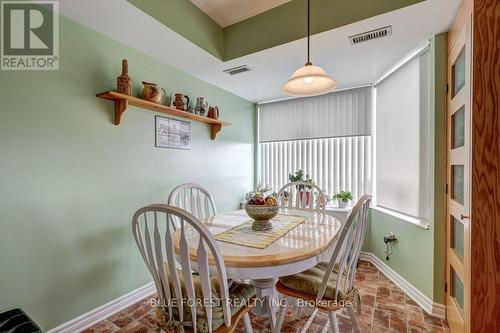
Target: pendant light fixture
{"type": "Point", "coordinates": [309, 80]}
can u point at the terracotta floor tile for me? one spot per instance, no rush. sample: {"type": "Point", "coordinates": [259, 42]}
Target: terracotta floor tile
{"type": "Point", "coordinates": [430, 320]}
{"type": "Point", "coordinates": [414, 313]}
{"type": "Point", "coordinates": [134, 327]}
{"type": "Point", "coordinates": [383, 292]}
{"type": "Point", "coordinates": [104, 326]}
{"type": "Point", "coordinates": [378, 329]}
{"type": "Point", "coordinates": [385, 308]}
{"type": "Point", "coordinates": [149, 319]}
{"type": "Point", "coordinates": [366, 310]}
{"type": "Point", "coordinates": [397, 295]}
{"type": "Point", "coordinates": [368, 290]}
{"type": "Point", "coordinates": [397, 309]}
{"type": "Point", "coordinates": [381, 318]}
{"type": "Point", "coordinates": [365, 327]}
{"type": "Point", "coordinates": [120, 319]}
{"type": "Point", "coordinates": [345, 325]}
{"type": "Point", "coordinates": [435, 329]}
{"type": "Point", "coordinates": [368, 300]}
{"type": "Point", "coordinates": [408, 300]}
{"type": "Point", "coordinates": [398, 324]}
{"type": "Point", "coordinates": [419, 325]}
{"type": "Point", "coordinates": [140, 312]}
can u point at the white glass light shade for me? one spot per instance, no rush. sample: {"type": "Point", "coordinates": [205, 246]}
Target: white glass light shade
{"type": "Point", "coordinates": [309, 80]}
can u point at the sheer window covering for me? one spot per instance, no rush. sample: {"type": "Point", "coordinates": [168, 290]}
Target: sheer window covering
{"type": "Point", "coordinates": [402, 139]}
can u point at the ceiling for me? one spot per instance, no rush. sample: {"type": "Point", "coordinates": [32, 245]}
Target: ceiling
{"type": "Point", "coordinates": [350, 65]}
{"type": "Point", "coordinates": [227, 12]}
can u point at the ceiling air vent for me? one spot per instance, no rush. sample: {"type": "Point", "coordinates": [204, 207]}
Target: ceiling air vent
{"type": "Point", "coordinates": [372, 34]}
{"type": "Point", "coordinates": [237, 70]}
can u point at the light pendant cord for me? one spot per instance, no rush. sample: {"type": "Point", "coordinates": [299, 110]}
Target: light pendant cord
{"type": "Point", "coordinates": [308, 32]}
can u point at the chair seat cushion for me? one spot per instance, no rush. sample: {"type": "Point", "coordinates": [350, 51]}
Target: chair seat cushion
{"type": "Point", "coordinates": [310, 280]}
{"type": "Point", "coordinates": [240, 295]}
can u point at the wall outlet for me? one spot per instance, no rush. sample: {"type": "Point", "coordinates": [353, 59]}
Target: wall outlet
{"type": "Point", "coordinates": [390, 238]}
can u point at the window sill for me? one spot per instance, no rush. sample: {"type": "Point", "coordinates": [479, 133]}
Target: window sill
{"type": "Point", "coordinates": [421, 223]}
{"type": "Point", "coordinates": [334, 208]}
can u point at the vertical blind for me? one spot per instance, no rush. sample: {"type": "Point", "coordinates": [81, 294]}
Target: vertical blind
{"type": "Point", "coordinates": [343, 113]}
{"type": "Point", "coordinates": [402, 139]}
{"type": "Point", "coordinates": [329, 137]}
{"type": "Point", "coordinates": [334, 163]}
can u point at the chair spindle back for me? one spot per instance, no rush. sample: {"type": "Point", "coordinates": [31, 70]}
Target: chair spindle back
{"type": "Point", "coordinates": [193, 198]}
{"type": "Point", "coordinates": [349, 243]}
{"type": "Point", "coordinates": [302, 196]}
{"type": "Point", "coordinates": [152, 227]}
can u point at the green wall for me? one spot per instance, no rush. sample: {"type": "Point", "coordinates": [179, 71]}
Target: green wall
{"type": "Point", "coordinates": [288, 22]}
{"type": "Point", "coordinates": [187, 20]}
{"type": "Point", "coordinates": [419, 254]}
{"type": "Point", "coordinates": [274, 27]}
{"type": "Point", "coordinates": [439, 99]}
{"type": "Point", "coordinates": [413, 252]}
{"type": "Point", "coordinates": [70, 180]}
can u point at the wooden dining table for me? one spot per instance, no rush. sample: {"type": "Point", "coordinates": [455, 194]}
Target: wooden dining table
{"type": "Point", "coordinates": [299, 249]}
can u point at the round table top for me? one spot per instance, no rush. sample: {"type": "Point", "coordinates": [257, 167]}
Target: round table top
{"type": "Point", "coordinates": [308, 239]}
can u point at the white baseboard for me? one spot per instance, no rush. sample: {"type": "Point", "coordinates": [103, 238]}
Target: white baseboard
{"type": "Point", "coordinates": [434, 309]}
{"type": "Point", "coordinates": [93, 317]}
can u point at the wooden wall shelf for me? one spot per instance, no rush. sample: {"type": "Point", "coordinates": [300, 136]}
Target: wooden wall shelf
{"type": "Point", "coordinates": [122, 101]}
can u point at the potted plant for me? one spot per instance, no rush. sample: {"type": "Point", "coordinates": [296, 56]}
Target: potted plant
{"type": "Point", "coordinates": [343, 198]}
{"type": "Point", "coordinates": [298, 176]}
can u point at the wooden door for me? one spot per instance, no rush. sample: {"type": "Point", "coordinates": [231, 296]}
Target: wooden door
{"type": "Point", "coordinates": [458, 173]}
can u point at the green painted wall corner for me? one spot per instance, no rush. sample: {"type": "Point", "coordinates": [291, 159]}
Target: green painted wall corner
{"type": "Point", "coordinates": [279, 25]}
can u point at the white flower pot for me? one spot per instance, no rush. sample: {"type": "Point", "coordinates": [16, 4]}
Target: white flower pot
{"type": "Point", "coordinates": [342, 204]}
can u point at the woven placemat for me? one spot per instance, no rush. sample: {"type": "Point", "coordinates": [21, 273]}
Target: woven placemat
{"type": "Point", "coordinates": [244, 235]}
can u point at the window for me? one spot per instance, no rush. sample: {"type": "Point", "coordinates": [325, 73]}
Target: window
{"type": "Point", "coordinates": [328, 136]}
{"type": "Point", "coordinates": [402, 147]}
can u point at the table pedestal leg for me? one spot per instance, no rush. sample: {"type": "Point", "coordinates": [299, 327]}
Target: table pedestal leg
{"type": "Point", "coordinates": [265, 304]}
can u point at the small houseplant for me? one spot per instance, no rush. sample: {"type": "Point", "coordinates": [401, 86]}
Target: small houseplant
{"type": "Point", "coordinates": [343, 198]}
{"type": "Point", "coordinates": [298, 176]}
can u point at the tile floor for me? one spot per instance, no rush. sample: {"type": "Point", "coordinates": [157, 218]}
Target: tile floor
{"type": "Point", "coordinates": [385, 308]}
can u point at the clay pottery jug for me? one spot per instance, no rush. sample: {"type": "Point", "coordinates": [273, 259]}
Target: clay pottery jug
{"type": "Point", "coordinates": [179, 101]}
{"type": "Point", "coordinates": [153, 92]}
{"type": "Point", "coordinates": [213, 112]}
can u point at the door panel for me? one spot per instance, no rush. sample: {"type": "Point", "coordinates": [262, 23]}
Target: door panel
{"type": "Point", "coordinates": [458, 176]}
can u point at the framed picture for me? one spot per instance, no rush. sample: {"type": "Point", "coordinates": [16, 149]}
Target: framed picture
{"type": "Point", "coordinates": [172, 133]}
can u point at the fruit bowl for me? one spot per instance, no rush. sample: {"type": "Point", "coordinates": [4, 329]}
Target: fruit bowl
{"type": "Point", "coordinates": [262, 214]}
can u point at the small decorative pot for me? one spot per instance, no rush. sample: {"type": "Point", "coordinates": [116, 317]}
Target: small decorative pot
{"type": "Point", "coordinates": [342, 204]}
{"type": "Point", "coordinates": [201, 106]}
